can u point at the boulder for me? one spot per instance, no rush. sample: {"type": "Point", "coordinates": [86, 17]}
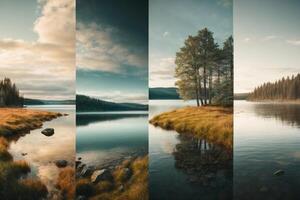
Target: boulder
{"type": "Point", "coordinates": [86, 171]}
{"type": "Point", "coordinates": [48, 131]}
{"type": "Point", "coordinates": [61, 163]}
{"type": "Point", "coordinates": [278, 172]}
{"type": "Point", "coordinates": [101, 175]}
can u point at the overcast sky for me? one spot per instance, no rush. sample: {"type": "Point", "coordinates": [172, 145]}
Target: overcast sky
{"type": "Point", "coordinates": [267, 41]}
{"type": "Point", "coordinates": [37, 49]}
{"type": "Point", "coordinates": [170, 23]}
{"type": "Point", "coordinates": [112, 49]}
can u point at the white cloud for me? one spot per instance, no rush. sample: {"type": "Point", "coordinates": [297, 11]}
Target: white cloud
{"type": "Point", "coordinates": [293, 42]}
{"type": "Point", "coordinates": [269, 37]}
{"type": "Point", "coordinates": [49, 61]}
{"type": "Point", "coordinates": [96, 50]}
{"type": "Point", "coordinates": [246, 40]}
{"type": "Point", "coordinates": [165, 34]}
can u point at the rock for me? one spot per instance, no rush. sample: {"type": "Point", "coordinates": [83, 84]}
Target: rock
{"type": "Point", "coordinates": [100, 175]}
{"type": "Point", "coordinates": [77, 163]}
{"type": "Point", "coordinates": [79, 158]}
{"type": "Point", "coordinates": [127, 174]}
{"type": "Point", "coordinates": [86, 171]}
{"type": "Point", "coordinates": [278, 172]}
{"type": "Point", "coordinates": [48, 131]}
{"type": "Point", "coordinates": [23, 154]}
{"type": "Point", "coordinates": [81, 198]}
{"type": "Point", "coordinates": [61, 163]}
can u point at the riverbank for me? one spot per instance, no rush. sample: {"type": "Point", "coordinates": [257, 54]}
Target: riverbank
{"type": "Point", "coordinates": [15, 121]}
{"type": "Point", "coordinates": [214, 124]}
{"type": "Point", "coordinates": [14, 184]}
{"type": "Point", "coordinates": [128, 180]}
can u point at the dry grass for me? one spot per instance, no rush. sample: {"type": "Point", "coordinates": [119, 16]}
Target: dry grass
{"type": "Point", "coordinates": [215, 124]}
{"type": "Point", "coordinates": [134, 187]}
{"type": "Point", "coordinates": [16, 120]}
{"type": "Point", "coordinates": [66, 182]}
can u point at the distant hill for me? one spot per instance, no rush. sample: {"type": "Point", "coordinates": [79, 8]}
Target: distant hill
{"type": "Point", "coordinates": [163, 93]}
{"type": "Point", "coordinates": [241, 96]}
{"type": "Point", "coordinates": [48, 102]}
{"type": "Point", "coordinates": [85, 103]}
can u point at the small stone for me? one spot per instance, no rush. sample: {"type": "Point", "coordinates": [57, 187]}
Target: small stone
{"type": "Point", "coordinates": [79, 158]}
{"type": "Point", "coordinates": [61, 163]}
{"type": "Point", "coordinates": [23, 154]}
{"type": "Point", "coordinates": [48, 131]}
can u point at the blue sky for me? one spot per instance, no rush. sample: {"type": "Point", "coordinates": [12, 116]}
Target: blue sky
{"type": "Point", "coordinates": [112, 50]}
{"type": "Point", "coordinates": [170, 23]}
{"type": "Point", "coordinates": [267, 41]}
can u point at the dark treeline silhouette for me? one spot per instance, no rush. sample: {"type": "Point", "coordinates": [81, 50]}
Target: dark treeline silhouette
{"type": "Point", "coordinates": [9, 94]}
{"type": "Point", "coordinates": [284, 89]}
{"type": "Point", "coordinates": [205, 70]}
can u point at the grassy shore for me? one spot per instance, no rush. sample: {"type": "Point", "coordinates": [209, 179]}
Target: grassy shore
{"type": "Point", "coordinates": [18, 120]}
{"type": "Point", "coordinates": [215, 124]}
{"type": "Point", "coordinates": [13, 184]}
{"type": "Point", "coordinates": [133, 187]}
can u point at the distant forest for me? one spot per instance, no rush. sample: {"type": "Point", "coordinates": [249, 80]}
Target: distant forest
{"type": "Point", "coordinates": [284, 89]}
{"type": "Point", "coordinates": [9, 94]}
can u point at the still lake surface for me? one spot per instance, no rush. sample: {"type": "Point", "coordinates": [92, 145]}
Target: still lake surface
{"type": "Point", "coordinates": [106, 138]}
{"type": "Point", "coordinates": [176, 167]}
{"type": "Point", "coordinates": [42, 151]}
{"type": "Point", "coordinates": [266, 139]}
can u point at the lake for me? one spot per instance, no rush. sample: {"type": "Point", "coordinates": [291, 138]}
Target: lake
{"type": "Point", "coordinates": [266, 139]}
{"type": "Point", "coordinates": [42, 151]}
{"type": "Point", "coordinates": [181, 167]}
{"type": "Point", "coordinates": [107, 138]}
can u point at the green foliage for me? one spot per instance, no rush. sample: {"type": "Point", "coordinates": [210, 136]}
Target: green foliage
{"type": "Point", "coordinates": [204, 70]}
{"type": "Point", "coordinates": [9, 94]}
{"type": "Point", "coordinates": [284, 89]}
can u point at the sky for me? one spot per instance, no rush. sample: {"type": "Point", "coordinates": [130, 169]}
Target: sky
{"type": "Point", "coordinates": [267, 42]}
{"type": "Point", "coordinates": [172, 21]}
{"type": "Point", "coordinates": [37, 47]}
{"type": "Point", "coordinates": [112, 50]}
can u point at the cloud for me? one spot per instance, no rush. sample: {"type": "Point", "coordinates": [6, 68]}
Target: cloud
{"type": "Point", "coordinates": [162, 71]}
{"type": "Point", "coordinates": [45, 67]}
{"type": "Point", "coordinates": [165, 34]}
{"type": "Point", "coordinates": [97, 50]}
{"type": "Point", "coordinates": [269, 37]}
{"type": "Point", "coordinates": [293, 42]}
{"type": "Point", "coordinates": [225, 3]}
{"type": "Point", "coordinates": [246, 40]}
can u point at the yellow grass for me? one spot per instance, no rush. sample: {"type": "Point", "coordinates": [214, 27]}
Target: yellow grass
{"type": "Point", "coordinates": [16, 120]}
{"type": "Point", "coordinates": [215, 124]}
{"type": "Point", "coordinates": [66, 182]}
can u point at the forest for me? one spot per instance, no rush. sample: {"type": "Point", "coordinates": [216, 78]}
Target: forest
{"type": "Point", "coordinates": [285, 89]}
{"type": "Point", "coordinates": [205, 70]}
{"type": "Point", "coordinates": [9, 94]}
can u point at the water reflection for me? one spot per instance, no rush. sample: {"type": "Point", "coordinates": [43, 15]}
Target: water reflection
{"type": "Point", "coordinates": [205, 164]}
{"type": "Point", "coordinates": [287, 113]}
{"type": "Point", "coordinates": [86, 119]}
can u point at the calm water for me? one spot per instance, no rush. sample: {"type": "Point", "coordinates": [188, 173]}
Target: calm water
{"type": "Point", "coordinates": [180, 168]}
{"type": "Point", "coordinates": [103, 138]}
{"type": "Point", "coordinates": [42, 150]}
{"type": "Point", "coordinates": [266, 139]}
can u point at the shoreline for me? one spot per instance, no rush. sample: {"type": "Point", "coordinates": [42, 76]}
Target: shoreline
{"type": "Point", "coordinates": [214, 124]}
{"type": "Point", "coordinates": [17, 122]}
{"type": "Point", "coordinates": [275, 101]}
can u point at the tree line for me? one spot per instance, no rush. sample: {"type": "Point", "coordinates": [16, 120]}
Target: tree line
{"type": "Point", "coordinates": [9, 94]}
{"type": "Point", "coordinates": [205, 70]}
{"type": "Point", "coordinates": [284, 89]}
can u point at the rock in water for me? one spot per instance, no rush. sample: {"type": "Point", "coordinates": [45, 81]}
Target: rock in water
{"type": "Point", "coordinates": [61, 163]}
{"type": "Point", "coordinates": [278, 172]}
{"type": "Point", "coordinates": [100, 175]}
{"type": "Point", "coordinates": [48, 131]}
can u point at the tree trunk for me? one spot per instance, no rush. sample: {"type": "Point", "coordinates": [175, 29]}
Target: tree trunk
{"type": "Point", "coordinates": [204, 85]}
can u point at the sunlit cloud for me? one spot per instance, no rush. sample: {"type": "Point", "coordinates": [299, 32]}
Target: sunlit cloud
{"type": "Point", "coordinates": [48, 61]}
{"type": "Point", "coordinates": [293, 42]}
{"type": "Point", "coordinates": [97, 50]}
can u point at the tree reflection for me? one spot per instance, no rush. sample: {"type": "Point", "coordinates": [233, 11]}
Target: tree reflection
{"type": "Point", "coordinates": [287, 113]}
{"type": "Point", "coordinates": [206, 164]}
